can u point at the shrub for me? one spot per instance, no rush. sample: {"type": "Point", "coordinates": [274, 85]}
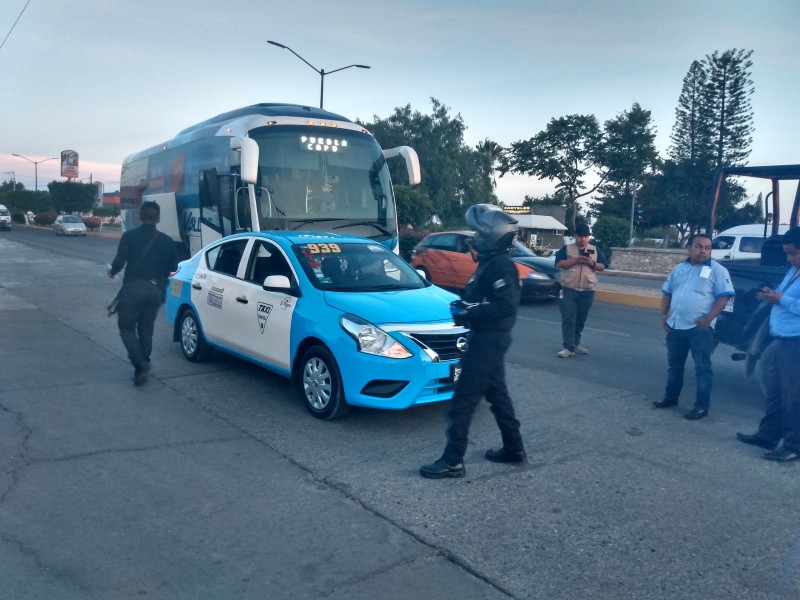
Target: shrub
{"type": "Point", "coordinates": [45, 219]}
{"type": "Point", "coordinates": [408, 239]}
{"type": "Point", "coordinates": [92, 223]}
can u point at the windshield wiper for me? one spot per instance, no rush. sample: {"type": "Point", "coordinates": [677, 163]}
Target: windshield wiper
{"type": "Point", "coordinates": [374, 224]}
{"type": "Point", "coordinates": [307, 221]}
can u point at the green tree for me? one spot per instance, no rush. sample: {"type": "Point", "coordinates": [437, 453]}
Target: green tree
{"type": "Point", "coordinates": [713, 127]}
{"type": "Point", "coordinates": [111, 210]}
{"type": "Point", "coordinates": [566, 151]}
{"type": "Point", "coordinates": [609, 232]}
{"type": "Point", "coordinates": [454, 176]}
{"type": "Point", "coordinates": [24, 201]}
{"type": "Point", "coordinates": [71, 197]}
{"type": "Point", "coordinates": [728, 93]}
{"type": "Point", "coordinates": [630, 158]}
{"type": "Point", "coordinates": [692, 138]}
{"type": "Point", "coordinates": [496, 155]}
{"type": "Point", "coordinates": [11, 186]}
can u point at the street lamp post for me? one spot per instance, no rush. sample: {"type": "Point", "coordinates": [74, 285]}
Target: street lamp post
{"type": "Point", "coordinates": [36, 166]}
{"type": "Point", "coordinates": [321, 72]}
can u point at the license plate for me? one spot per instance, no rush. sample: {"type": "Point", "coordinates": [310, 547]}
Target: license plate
{"type": "Point", "coordinates": [729, 306]}
{"type": "Point", "coordinates": [455, 373]}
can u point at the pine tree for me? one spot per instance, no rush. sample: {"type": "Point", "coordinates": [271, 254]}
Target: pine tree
{"type": "Point", "coordinates": [692, 138]}
{"type": "Point", "coordinates": [728, 92]}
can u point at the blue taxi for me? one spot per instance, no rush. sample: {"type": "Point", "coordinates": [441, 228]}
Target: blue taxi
{"type": "Point", "coordinates": [348, 321]}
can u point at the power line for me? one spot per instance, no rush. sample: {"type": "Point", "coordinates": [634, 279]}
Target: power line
{"type": "Point", "coordinates": [15, 24]}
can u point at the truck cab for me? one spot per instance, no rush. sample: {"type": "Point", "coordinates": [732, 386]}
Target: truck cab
{"type": "Point", "coordinates": [744, 324]}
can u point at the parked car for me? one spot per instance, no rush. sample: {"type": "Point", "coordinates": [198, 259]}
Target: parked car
{"type": "Point", "coordinates": [5, 218]}
{"type": "Point", "coordinates": [445, 260]}
{"type": "Point", "coordinates": [69, 225]}
{"type": "Point", "coordinates": [349, 321]}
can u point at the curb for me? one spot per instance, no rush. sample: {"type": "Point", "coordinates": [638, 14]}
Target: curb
{"type": "Point", "coordinates": [628, 296]}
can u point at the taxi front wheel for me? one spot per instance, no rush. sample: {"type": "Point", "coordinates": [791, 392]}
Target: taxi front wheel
{"type": "Point", "coordinates": [321, 384]}
{"type": "Point", "coordinates": [193, 346]}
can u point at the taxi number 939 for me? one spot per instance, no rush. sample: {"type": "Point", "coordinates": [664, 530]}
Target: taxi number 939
{"type": "Point", "coordinates": [323, 248]}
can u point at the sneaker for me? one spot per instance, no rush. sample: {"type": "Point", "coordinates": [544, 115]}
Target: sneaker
{"type": "Point", "coordinates": [581, 350]}
{"type": "Point", "coordinates": [501, 456]}
{"type": "Point", "coordinates": [441, 470]}
{"type": "Point", "coordinates": [565, 353]}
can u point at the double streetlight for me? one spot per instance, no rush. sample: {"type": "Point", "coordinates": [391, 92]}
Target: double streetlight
{"type": "Point", "coordinates": [321, 72]}
{"type": "Point", "coordinates": [36, 166]}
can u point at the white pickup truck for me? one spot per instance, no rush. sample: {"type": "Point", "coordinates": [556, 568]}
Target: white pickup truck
{"type": "Point", "coordinates": [742, 241]}
{"type": "Point", "coordinates": [5, 218]}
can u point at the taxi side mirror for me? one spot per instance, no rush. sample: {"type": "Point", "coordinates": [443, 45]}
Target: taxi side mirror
{"type": "Point", "coordinates": [275, 283]}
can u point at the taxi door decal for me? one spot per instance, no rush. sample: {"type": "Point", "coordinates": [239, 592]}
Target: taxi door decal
{"type": "Point", "coordinates": [262, 314]}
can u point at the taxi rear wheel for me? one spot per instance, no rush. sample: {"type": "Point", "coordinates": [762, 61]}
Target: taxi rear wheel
{"type": "Point", "coordinates": [321, 384]}
{"type": "Point", "coordinates": [193, 346]}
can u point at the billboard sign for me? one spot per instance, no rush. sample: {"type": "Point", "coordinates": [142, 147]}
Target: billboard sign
{"type": "Point", "coordinates": [69, 164]}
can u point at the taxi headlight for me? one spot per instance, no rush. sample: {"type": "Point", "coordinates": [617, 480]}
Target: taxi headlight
{"type": "Point", "coordinates": [372, 339]}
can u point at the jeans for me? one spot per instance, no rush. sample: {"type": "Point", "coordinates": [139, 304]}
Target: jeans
{"type": "Point", "coordinates": [136, 316]}
{"type": "Point", "coordinates": [574, 307]}
{"type": "Point", "coordinates": [701, 343]}
{"type": "Point", "coordinates": [781, 387]}
{"type": "Point", "coordinates": [482, 374]}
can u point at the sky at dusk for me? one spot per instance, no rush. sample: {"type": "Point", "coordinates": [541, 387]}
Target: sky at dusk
{"type": "Point", "coordinates": [108, 79]}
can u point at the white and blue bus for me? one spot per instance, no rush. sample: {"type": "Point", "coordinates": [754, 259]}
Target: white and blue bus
{"type": "Point", "coordinates": [267, 166]}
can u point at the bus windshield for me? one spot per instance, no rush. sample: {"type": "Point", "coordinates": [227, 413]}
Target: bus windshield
{"type": "Point", "coordinates": [323, 179]}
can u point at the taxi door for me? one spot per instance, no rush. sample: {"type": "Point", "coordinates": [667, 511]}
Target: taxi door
{"type": "Point", "coordinates": [263, 316]}
{"type": "Point", "coordinates": [213, 291]}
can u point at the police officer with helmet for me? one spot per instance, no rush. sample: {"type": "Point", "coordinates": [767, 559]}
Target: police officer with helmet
{"type": "Point", "coordinates": [489, 309]}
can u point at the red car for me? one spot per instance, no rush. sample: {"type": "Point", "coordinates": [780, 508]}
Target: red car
{"type": "Point", "coordinates": [445, 260]}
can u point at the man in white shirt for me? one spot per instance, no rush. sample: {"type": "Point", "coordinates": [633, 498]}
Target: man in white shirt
{"type": "Point", "coordinates": [694, 294]}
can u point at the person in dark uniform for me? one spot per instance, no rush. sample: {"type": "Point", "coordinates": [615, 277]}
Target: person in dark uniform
{"type": "Point", "coordinates": [148, 257]}
{"type": "Point", "coordinates": [489, 308]}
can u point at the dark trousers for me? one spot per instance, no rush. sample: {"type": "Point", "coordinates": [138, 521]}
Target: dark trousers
{"type": "Point", "coordinates": [139, 302]}
{"type": "Point", "coordinates": [700, 342]}
{"type": "Point", "coordinates": [482, 374]}
{"type": "Point", "coordinates": [781, 386]}
{"type": "Point", "coordinates": [574, 307]}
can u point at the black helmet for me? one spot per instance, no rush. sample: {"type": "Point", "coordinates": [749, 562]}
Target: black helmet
{"type": "Point", "coordinates": [494, 230]}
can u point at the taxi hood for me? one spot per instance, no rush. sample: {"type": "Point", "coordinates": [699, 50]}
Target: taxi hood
{"type": "Point", "coordinates": [425, 305]}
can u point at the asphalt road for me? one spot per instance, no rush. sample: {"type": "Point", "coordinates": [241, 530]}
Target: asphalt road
{"type": "Point", "coordinates": [213, 481]}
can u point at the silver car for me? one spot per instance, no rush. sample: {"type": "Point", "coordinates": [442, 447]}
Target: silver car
{"type": "Point", "coordinates": [69, 225]}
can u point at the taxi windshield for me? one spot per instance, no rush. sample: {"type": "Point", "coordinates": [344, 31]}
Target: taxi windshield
{"type": "Point", "coordinates": [349, 267]}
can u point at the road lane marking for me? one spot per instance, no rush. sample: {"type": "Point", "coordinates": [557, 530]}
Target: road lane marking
{"type": "Point", "coordinates": [585, 328]}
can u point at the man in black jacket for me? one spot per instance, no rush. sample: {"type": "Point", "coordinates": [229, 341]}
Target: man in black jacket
{"type": "Point", "coordinates": [148, 258]}
{"type": "Point", "coordinates": [489, 308]}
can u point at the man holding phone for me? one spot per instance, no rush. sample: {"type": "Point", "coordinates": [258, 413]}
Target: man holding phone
{"type": "Point", "coordinates": [579, 262]}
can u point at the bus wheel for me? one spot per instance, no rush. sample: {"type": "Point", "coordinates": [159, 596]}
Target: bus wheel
{"type": "Point", "coordinates": [193, 346]}
{"type": "Point", "coordinates": [321, 384]}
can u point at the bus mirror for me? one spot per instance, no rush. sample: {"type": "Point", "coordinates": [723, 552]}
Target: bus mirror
{"type": "Point", "coordinates": [249, 167]}
{"type": "Point", "coordinates": [412, 162]}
